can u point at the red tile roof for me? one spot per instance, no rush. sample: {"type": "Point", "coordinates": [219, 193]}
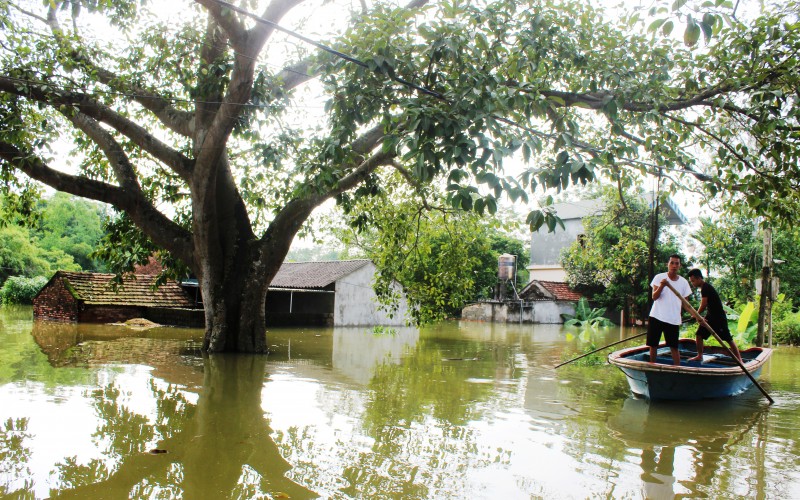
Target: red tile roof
{"type": "Point", "coordinates": [549, 290]}
{"type": "Point", "coordinates": [560, 290]}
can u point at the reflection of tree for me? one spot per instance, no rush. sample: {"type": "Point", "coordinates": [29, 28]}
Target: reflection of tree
{"type": "Point", "coordinates": [219, 447]}
{"type": "Point", "coordinates": [13, 457]}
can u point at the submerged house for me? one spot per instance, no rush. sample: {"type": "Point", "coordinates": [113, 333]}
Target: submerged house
{"type": "Point", "coordinates": [540, 302]}
{"type": "Point", "coordinates": [91, 298]}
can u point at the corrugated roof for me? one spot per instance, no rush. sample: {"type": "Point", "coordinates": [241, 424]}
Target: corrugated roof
{"type": "Point", "coordinates": [314, 275]}
{"type": "Point", "coordinates": [96, 289]}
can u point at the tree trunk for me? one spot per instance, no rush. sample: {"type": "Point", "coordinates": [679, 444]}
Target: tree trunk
{"type": "Point", "coordinates": [234, 311]}
{"type": "Point", "coordinates": [233, 270]}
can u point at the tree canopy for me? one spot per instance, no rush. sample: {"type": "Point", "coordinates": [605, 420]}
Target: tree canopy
{"type": "Point", "coordinates": [197, 126]}
{"type": "Point", "coordinates": [442, 257]}
{"type": "Point", "coordinates": [60, 232]}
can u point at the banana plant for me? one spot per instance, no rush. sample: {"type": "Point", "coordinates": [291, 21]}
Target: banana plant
{"type": "Point", "coordinates": [586, 316]}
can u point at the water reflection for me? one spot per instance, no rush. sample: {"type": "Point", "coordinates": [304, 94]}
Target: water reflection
{"type": "Point", "coordinates": [204, 435]}
{"type": "Point", "coordinates": [469, 410]}
{"type": "Point", "coordinates": [680, 453]}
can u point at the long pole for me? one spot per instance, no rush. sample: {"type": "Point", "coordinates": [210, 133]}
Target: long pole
{"type": "Point", "coordinates": [702, 321]}
{"type": "Point", "coordinates": [600, 349]}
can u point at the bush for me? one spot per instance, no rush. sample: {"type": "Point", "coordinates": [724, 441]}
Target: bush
{"type": "Point", "coordinates": [21, 290]}
{"type": "Point", "coordinates": [787, 331]}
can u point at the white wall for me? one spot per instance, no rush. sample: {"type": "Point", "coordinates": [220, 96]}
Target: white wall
{"type": "Point", "coordinates": [547, 273]}
{"type": "Point", "coordinates": [357, 305]}
{"type": "Point", "coordinates": [540, 311]}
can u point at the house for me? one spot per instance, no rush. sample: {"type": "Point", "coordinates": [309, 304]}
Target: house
{"type": "Point", "coordinates": [91, 298]}
{"type": "Point", "coordinates": [548, 290]}
{"type": "Point", "coordinates": [541, 302]}
{"type": "Point", "coordinates": [332, 293]}
{"type": "Point", "coordinates": [546, 247]}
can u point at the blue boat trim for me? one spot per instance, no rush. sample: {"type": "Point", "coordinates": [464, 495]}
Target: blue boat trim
{"type": "Point", "coordinates": [718, 376]}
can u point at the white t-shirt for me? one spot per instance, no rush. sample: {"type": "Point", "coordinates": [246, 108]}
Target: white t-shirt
{"type": "Point", "coordinates": [667, 307]}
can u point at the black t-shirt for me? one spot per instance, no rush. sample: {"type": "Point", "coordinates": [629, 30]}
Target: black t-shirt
{"type": "Point", "coordinates": [714, 311]}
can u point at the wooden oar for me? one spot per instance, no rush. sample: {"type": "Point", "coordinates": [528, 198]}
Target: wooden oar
{"type": "Point", "coordinates": [701, 320]}
{"type": "Point", "coordinates": [606, 347]}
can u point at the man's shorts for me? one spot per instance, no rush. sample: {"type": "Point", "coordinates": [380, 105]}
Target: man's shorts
{"type": "Point", "coordinates": [720, 327]}
{"type": "Point", "coordinates": [655, 327]}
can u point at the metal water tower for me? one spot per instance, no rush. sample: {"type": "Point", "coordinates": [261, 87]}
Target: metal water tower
{"type": "Point", "coordinates": [506, 265]}
{"type": "Point", "coordinates": [506, 274]}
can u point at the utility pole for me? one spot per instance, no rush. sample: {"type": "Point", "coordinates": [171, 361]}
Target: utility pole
{"type": "Point", "coordinates": [765, 304]}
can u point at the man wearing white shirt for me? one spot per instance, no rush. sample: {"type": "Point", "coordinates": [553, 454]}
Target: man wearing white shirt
{"type": "Point", "coordinates": [665, 315]}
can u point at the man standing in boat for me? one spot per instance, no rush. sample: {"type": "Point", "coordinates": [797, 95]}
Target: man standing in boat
{"type": "Point", "coordinates": [665, 315]}
{"type": "Point", "coordinates": [715, 316]}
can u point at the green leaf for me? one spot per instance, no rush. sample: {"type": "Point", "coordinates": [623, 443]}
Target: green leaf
{"type": "Point", "coordinates": [677, 4]}
{"type": "Point", "coordinates": [692, 33]}
{"type": "Point", "coordinates": [744, 317]}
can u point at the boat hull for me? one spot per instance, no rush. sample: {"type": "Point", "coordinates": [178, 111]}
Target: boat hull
{"type": "Point", "coordinates": [719, 377]}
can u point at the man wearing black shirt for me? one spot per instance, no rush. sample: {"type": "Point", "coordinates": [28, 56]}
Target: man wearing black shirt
{"type": "Point", "coordinates": [715, 315]}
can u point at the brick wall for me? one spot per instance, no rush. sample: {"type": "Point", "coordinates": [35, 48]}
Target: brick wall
{"type": "Point", "coordinates": [55, 303]}
{"type": "Point", "coordinates": [109, 313]}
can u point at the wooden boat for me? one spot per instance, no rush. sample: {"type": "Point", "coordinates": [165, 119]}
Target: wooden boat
{"type": "Point", "coordinates": [718, 376]}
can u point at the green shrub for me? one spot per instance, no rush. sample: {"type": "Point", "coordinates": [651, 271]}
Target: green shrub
{"type": "Point", "coordinates": [787, 331]}
{"type": "Point", "coordinates": [21, 290]}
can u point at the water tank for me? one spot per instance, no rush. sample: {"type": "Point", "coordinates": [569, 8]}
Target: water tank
{"type": "Point", "coordinates": [506, 266]}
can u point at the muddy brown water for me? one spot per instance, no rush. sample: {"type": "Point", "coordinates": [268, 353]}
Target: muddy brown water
{"type": "Point", "coordinates": [455, 410]}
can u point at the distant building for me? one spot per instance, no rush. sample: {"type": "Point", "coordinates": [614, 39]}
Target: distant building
{"type": "Point", "coordinates": [546, 247]}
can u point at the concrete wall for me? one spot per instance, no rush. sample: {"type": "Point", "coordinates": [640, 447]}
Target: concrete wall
{"type": "Point", "coordinates": [357, 305]}
{"type": "Point", "coordinates": [541, 312]}
{"type": "Point", "coordinates": [546, 247]}
{"type": "Point", "coordinates": [547, 273]}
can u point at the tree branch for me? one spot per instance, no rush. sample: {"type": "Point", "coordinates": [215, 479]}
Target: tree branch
{"type": "Point", "coordinates": [174, 119]}
{"type": "Point", "coordinates": [299, 72]}
{"type": "Point", "coordinates": [164, 232]}
{"type": "Point", "coordinates": [91, 107]}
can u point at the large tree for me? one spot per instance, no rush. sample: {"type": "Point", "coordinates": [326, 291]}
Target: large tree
{"type": "Point", "coordinates": [193, 111]}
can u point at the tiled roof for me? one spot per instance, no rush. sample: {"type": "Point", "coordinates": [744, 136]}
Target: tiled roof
{"type": "Point", "coordinates": [314, 274]}
{"type": "Point", "coordinates": [549, 290]}
{"type": "Point", "coordinates": [96, 289]}
{"type": "Point", "coordinates": [560, 290]}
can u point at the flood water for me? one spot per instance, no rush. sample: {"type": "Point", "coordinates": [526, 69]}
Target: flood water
{"type": "Point", "coordinates": [457, 410]}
